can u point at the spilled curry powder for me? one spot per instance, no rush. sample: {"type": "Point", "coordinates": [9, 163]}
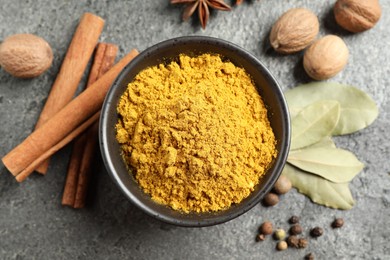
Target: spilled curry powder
{"type": "Point", "coordinates": [196, 133]}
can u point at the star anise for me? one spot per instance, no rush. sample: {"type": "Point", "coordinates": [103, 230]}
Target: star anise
{"type": "Point", "coordinates": [203, 8]}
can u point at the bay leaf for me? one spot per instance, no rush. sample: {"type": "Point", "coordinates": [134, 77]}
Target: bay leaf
{"type": "Point", "coordinates": [324, 142]}
{"type": "Point", "coordinates": [358, 109]}
{"type": "Point", "coordinates": [313, 123]}
{"type": "Point", "coordinates": [334, 164]}
{"type": "Point", "coordinates": [319, 190]}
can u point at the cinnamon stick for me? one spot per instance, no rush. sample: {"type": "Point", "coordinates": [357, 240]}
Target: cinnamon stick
{"type": "Point", "coordinates": [72, 69]}
{"type": "Point", "coordinates": [84, 145]}
{"type": "Point", "coordinates": [52, 150]}
{"type": "Point", "coordinates": [72, 175]}
{"type": "Point", "coordinates": [85, 167]}
{"type": "Point", "coordinates": [63, 122]}
{"type": "Point", "coordinates": [103, 61]}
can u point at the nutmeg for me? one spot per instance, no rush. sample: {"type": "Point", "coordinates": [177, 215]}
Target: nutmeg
{"type": "Point", "coordinates": [25, 55]}
{"type": "Point", "coordinates": [357, 15]}
{"type": "Point", "coordinates": [325, 57]}
{"type": "Point", "coordinates": [294, 30]}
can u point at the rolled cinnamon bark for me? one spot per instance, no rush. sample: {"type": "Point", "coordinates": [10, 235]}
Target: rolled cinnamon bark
{"type": "Point", "coordinates": [85, 167]}
{"type": "Point", "coordinates": [64, 122]}
{"type": "Point", "coordinates": [72, 175]}
{"type": "Point", "coordinates": [52, 150]}
{"type": "Point", "coordinates": [72, 69]}
{"type": "Point", "coordinates": [84, 146]}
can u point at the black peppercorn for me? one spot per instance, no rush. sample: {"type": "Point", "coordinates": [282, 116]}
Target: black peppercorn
{"type": "Point", "coordinates": [338, 223]}
{"type": "Point", "coordinates": [294, 220]}
{"type": "Point", "coordinates": [302, 243]}
{"type": "Point", "coordinates": [309, 256]}
{"type": "Point", "coordinates": [260, 237]}
{"type": "Point", "coordinates": [316, 232]}
{"type": "Point", "coordinates": [292, 241]}
{"type": "Point", "coordinates": [295, 229]}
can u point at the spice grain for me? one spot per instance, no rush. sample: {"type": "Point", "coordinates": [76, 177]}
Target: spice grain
{"type": "Point", "coordinates": [281, 245]}
{"type": "Point", "coordinates": [302, 243]}
{"type": "Point", "coordinates": [316, 232]}
{"type": "Point", "coordinates": [295, 229]}
{"type": "Point", "coordinates": [260, 237]}
{"type": "Point", "coordinates": [338, 223]}
{"type": "Point", "coordinates": [293, 220]}
{"type": "Point", "coordinates": [266, 228]}
{"type": "Point", "coordinates": [279, 234]}
{"type": "Point", "coordinates": [271, 199]}
{"type": "Point", "coordinates": [282, 185]}
{"type": "Point", "coordinates": [292, 241]}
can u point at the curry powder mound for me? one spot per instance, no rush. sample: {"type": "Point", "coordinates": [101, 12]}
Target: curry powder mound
{"type": "Point", "coordinates": [196, 133]}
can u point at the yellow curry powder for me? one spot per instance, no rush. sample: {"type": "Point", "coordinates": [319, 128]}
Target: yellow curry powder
{"type": "Point", "coordinates": [196, 133]}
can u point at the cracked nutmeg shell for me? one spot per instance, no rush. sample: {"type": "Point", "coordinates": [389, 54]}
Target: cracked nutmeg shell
{"type": "Point", "coordinates": [294, 30]}
{"type": "Point", "coordinates": [325, 57]}
{"type": "Point", "coordinates": [357, 15]}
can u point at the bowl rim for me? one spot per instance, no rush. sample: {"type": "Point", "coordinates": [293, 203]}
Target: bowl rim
{"type": "Point", "coordinates": [279, 161]}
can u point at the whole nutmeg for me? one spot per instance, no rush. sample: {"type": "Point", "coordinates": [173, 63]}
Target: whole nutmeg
{"type": "Point", "coordinates": [357, 15]}
{"type": "Point", "coordinates": [294, 30]}
{"type": "Point", "coordinates": [282, 185]}
{"type": "Point", "coordinates": [25, 55]}
{"type": "Point", "coordinates": [325, 57]}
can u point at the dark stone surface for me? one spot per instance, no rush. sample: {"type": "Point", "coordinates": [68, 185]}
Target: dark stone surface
{"type": "Point", "coordinates": [34, 225]}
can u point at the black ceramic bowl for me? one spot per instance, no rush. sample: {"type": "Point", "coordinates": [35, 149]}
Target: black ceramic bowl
{"type": "Point", "coordinates": [165, 51]}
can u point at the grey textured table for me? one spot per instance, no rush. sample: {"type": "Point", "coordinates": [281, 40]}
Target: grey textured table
{"type": "Point", "coordinates": [33, 224]}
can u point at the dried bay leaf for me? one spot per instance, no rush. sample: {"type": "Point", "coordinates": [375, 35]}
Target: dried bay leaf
{"type": "Point", "coordinates": [314, 122]}
{"type": "Point", "coordinates": [358, 110]}
{"type": "Point", "coordinates": [325, 142]}
{"type": "Point", "coordinates": [333, 164]}
{"type": "Point", "coordinates": [319, 190]}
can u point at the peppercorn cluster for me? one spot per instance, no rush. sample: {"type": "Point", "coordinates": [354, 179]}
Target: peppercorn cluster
{"type": "Point", "coordinates": [295, 237]}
